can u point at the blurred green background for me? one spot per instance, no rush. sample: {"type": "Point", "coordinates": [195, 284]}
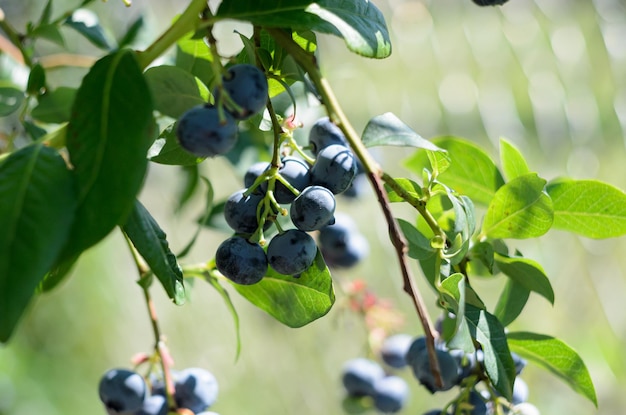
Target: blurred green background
{"type": "Point", "coordinates": [550, 75]}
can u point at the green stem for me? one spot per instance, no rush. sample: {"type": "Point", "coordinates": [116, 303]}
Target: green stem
{"type": "Point", "coordinates": [418, 204]}
{"type": "Point", "coordinates": [187, 22]}
{"type": "Point", "coordinates": [308, 62]}
{"type": "Point", "coordinates": [15, 38]}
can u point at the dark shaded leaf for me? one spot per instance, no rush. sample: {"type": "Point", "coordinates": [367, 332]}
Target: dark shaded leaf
{"type": "Point", "coordinates": [110, 130]}
{"type": "Point", "coordinates": [55, 106]}
{"type": "Point", "coordinates": [151, 242]}
{"type": "Point", "coordinates": [38, 202]}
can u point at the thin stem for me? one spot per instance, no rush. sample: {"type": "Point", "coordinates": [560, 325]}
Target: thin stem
{"type": "Point", "coordinates": [159, 344]}
{"type": "Point", "coordinates": [15, 38]}
{"type": "Point", "coordinates": [418, 204]}
{"type": "Point", "coordinates": [308, 62]}
{"type": "Point", "coordinates": [187, 22]}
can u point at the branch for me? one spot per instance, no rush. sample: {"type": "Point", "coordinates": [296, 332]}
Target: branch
{"type": "Point", "coordinates": [308, 62]}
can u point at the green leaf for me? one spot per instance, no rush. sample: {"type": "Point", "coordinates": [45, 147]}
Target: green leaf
{"type": "Point", "coordinates": [86, 23]}
{"type": "Point", "coordinates": [527, 273]}
{"type": "Point", "coordinates": [193, 55]}
{"type": "Point", "coordinates": [151, 243]}
{"type": "Point", "coordinates": [110, 130]}
{"type": "Point", "coordinates": [55, 106]}
{"type": "Point", "coordinates": [46, 14]}
{"type": "Point", "coordinates": [11, 99]}
{"type": "Point", "coordinates": [389, 130]}
{"type": "Point", "coordinates": [439, 161]}
{"type": "Point", "coordinates": [488, 331]}
{"type": "Point", "coordinates": [36, 80]}
{"type": "Point", "coordinates": [166, 150]}
{"type": "Point", "coordinates": [588, 207]}
{"type": "Point", "coordinates": [453, 290]}
{"type": "Point", "coordinates": [358, 22]}
{"type": "Point", "coordinates": [557, 357]}
{"type": "Point", "coordinates": [57, 274]}
{"type": "Point", "coordinates": [513, 163]}
{"type": "Point", "coordinates": [131, 34]}
{"type": "Point", "coordinates": [481, 258]}
{"type": "Point", "coordinates": [38, 203]}
{"type": "Point", "coordinates": [294, 302]}
{"type": "Point", "coordinates": [408, 185]}
{"type": "Point", "coordinates": [471, 171]}
{"type": "Point", "coordinates": [175, 90]}
{"type": "Point", "coordinates": [419, 245]}
{"type": "Point", "coordinates": [520, 209]}
{"type": "Point", "coordinates": [511, 302]}
{"type": "Point", "coordinates": [49, 32]}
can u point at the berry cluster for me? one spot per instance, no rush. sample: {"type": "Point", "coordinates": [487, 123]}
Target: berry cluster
{"type": "Point", "coordinates": [309, 188]}
{"type": "Point", "coordinates": [365, 377]}
{"type": "Point", "coordinates": [209, 130]}
{"type": "Point", "coordinates": [125, 392]}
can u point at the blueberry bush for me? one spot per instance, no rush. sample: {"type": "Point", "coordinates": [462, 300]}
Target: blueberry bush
{"type": "Point", "coordinates": [73, 167]}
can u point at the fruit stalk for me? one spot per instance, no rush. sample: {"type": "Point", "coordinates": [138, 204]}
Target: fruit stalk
{"type": "Point", "coordinates": [335, 112]}
{"type": "Point", "coordinates": [186, 22]}
{"type": "Point", "coordinates": [159, 346]}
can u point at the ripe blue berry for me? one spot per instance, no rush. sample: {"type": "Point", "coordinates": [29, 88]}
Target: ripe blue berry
{"type": "Point", "coordinates": [196, 389]}
{"type": "Point", "coordinates": [247, 86]}
{"type": "Point", "coordinates": [417, 358]}
{"type": "Point", "coordinates": [241, 261]}
{"type": "Point", "coordinates": [153, 405]}
{"type": "Point", "coordinates": [359, 376]}
{"type": "Point", "coordinates": [520, 391]}
{"type": "Point", "coordinates": [334, 168]}
{"type": "Point", "coordinates": [291, 252]}
{"type": "Point", "coordinates": [390, 394]}
{"type": "Point", "coordinates": [240, 211]}
{"type": "Point", "coordinates": [313, 209]}
{"type": "Point", "coordinates": [200, 131]}
{"type": "Point", "coordinates": [324, 133]}
{"type": "Point", "coordinates": [341, 244]}
{"type": "Point", "coordinates": [253, 173]}
{"type": "Point", "coordinates": [394, 349]}
{"type": "Point", "coordinates": [296, 172]}
{"type": "Point", "coordinates": [122, 390]}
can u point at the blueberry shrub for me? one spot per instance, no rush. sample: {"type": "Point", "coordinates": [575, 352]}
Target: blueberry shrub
{"type": "Point", "coordinates": [71, 176]}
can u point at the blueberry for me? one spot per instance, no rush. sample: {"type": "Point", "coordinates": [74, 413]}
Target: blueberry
{"type": "Point", "coordinates": [390, 394]}
{"type": "Point", "coordinates": [201, 133]}
{"type": "Point", "coordinates": [357, 188]}
{"type": "Point", "coordinates": [240, 211]}
{"type": "Point", "coordinates": [417, 358]}
{"type": "Point", "coordinates": [359, 376]}
{"type": "Point", "coordinates": [313, 208]}
{"type": "Point", "coordinates": [196, 389]}
{"type": "Point", "coordinates": [334, 168]}
{"type": "Point", "coordinates": [122, 390]}
{"type": "Point", "coordinates": [394, 348]}
{"type": "Point", "coordinates": [324, 133]}
{"type": "Point", "coordinates": [291, 252]}
{"type": "Point", "coordinates": [296, 172]}
{"type": "Point", "coordinates": [519, 362]}
{"type": "Point", "coordinates": [253, 173]}
{"type": "Point", "coordinates": [520, 391]}
{"type": "Point", "coordinates": [153, 405]}
{"type": "Point", "coordinates": [341, 244]}
{"type": "Point", "coordinates": [478, 403]}
{"type": "Point", "coordinates": [467, 363]}
{"type": "Point", "coordinates": [241, 261]}
{"type": "Point", "coordinates": [247, 87]}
